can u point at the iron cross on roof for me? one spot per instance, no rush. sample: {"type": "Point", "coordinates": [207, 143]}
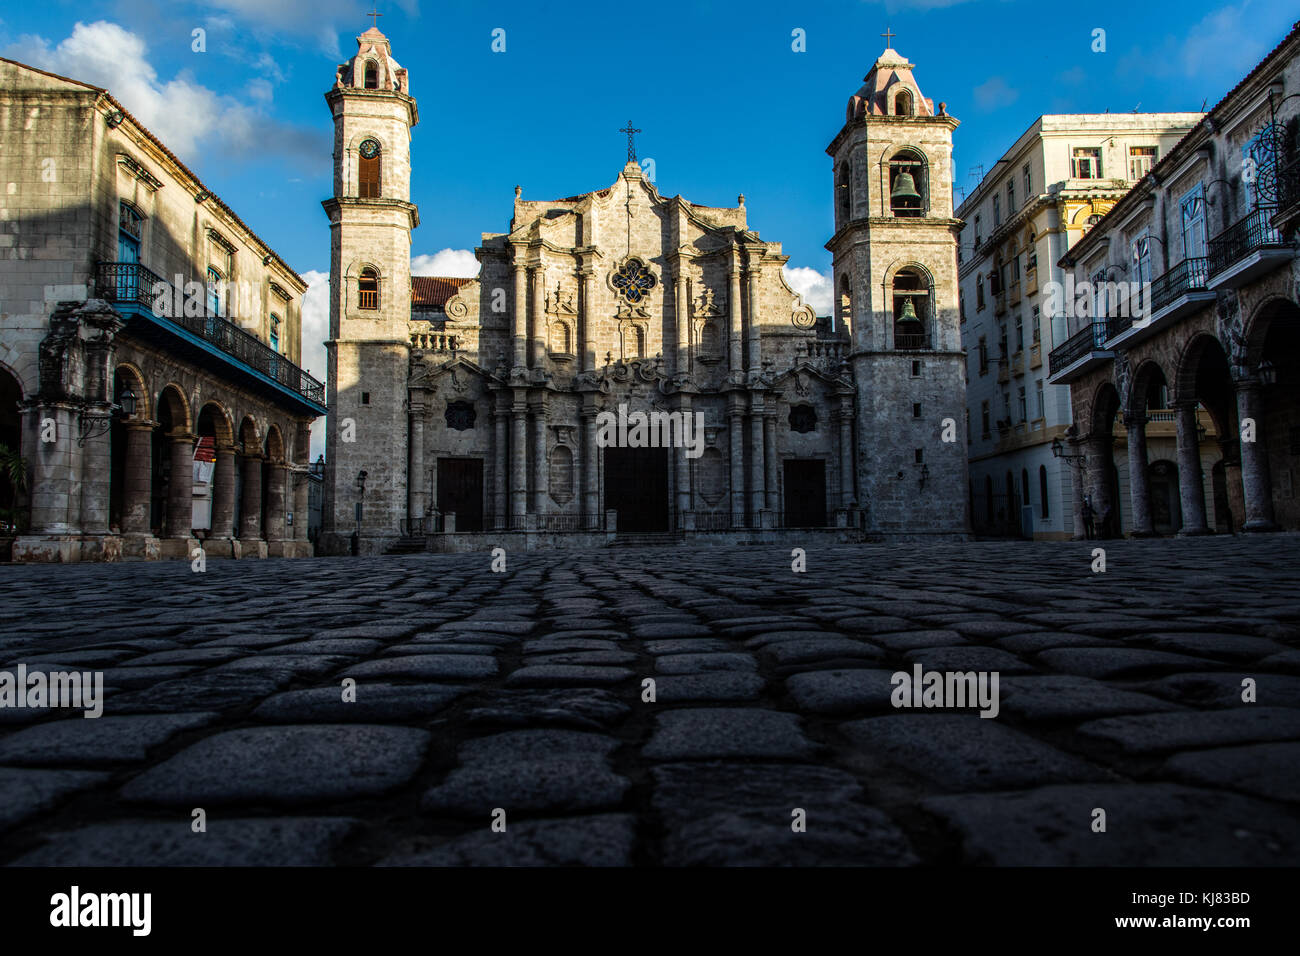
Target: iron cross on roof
{"type": "Point", "coordinates": [889, 37]}
{"type": "Point", "coordinates": [376, 14]}
{"type": "Point", "coordinates": [631, 141]}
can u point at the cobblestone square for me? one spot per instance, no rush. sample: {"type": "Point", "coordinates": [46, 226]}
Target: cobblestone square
{"type": "Point", "coordinates": [520, 697]}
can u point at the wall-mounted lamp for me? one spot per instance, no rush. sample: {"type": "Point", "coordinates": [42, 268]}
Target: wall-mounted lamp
{"type": "Point", "coordinates": [266, 260]}
{"type": "Point", "coordinates": [361, 482]}
{"type": "Point", "coordinates": [1267, 373]}
{"type": "Point", "coordinates": [92, 426]}
{"type": "Point", "coordinates": [1058, 451]}
{"type": "Point", "coordinates": [925, 473]}
{"type": "Point", "coordinates": [115, 119]}
{"type": "Point", "coordinates": [202, 195]}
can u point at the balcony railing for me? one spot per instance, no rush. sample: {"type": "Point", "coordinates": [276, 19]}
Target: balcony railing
{"type": "Point", "coordinates": [1248, 234]}
{"type": "Point", "coordinates": [1188, 276]}
{"type": "Point", "coordinates": [1088, 339]}
{"type": "Point", "coordinates": [131, 283]}
{"type": "Point", "coordinates": [1288, 190]}
{"type": "Point", "coordinates": [911, 341]}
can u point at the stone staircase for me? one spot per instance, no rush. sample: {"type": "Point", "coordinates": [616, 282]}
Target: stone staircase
{"type": "Point", "coordinates": [408, 545]}
{"type": "Point", "coordinates": [648, 539]}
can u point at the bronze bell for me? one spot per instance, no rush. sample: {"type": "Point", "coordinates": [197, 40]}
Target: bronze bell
{"type": "Point", "coordinates": [908, 316]}
{"type": "Point", "coordinates": [904, 187]}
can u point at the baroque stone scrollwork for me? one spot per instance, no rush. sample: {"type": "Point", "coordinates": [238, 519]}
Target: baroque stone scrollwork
{"type": "Point", "coordinates": [456, 308]}
{"type": "Point", "coordinates": [804, 317]}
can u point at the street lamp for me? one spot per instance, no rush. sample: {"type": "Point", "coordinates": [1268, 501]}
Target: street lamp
{"type": "Point", "coordinates": [1058, 451]}
{"type": "Point", "coordinates": [1267, 372]}
{"type": "Point", "coordinates": [126, 402]}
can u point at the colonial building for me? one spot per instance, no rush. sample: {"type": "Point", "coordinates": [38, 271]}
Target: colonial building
{"type": "Point", "coordinates": [149, 343]}
{"type": "Point", "coordinates": [1044, 193]}
{"type": "Point", "coordinates": [464, 405]}
{"type": "Point", "coordinates": [1182, 316]}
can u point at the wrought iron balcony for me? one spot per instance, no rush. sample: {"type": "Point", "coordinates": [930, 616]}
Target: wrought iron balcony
{"type": "Point", "coordinates": [1288, 187]}
{"type": "Point", "coordinates": [1188, 276]}
{"type": "Point", "coordinates": [131, 285]}
{"type": "Point", "coordinates": [1247, 242]}
{"type": "Point", "coordinates": [1088, 341]}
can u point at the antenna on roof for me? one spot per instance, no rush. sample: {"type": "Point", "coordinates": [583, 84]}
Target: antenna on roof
{"type": "Point", "coordinates": [978, 171]}
{"type": "Point", "coordinates": [1203, 102]}
{"type": "Point", "coordinates": [1138, 107]}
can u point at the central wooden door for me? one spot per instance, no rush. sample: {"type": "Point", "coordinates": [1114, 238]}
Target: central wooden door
{"type": "Point", "coordinates": [460, 490]}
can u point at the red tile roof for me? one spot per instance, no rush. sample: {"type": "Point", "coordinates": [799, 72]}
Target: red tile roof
{"type": "Point", "coordinates": [434, 290]}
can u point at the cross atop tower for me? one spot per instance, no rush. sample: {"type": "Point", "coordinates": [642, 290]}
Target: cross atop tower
{"type": "Point", "coordinates": [888, 38]}
{"type": "Point", "coordinates": [631, 141]}
{"type": "Point", "coordinates": [376, 14]}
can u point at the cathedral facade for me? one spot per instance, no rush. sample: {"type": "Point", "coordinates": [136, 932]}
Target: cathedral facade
{"type": "Point", "coordinates": [461, 406]}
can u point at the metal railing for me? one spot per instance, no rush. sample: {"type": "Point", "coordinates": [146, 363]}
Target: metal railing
{"type": "Point", "coordinates": [1243, 237]}
{"type": "Point", "coordinates": [571, 522]}
{"type": "Point", "coordinates": [130, 282]}
{"type": "Point", "coordinates": [1188, 276]}
{"type": "Point", "coordinates": [783, 521]}
{"type": "Point", "coordinates": [1288, 185]}
{"type": "Point", "coordinates": [911, 341]}
{"type": "Point", "coordinates": [1088, 339]}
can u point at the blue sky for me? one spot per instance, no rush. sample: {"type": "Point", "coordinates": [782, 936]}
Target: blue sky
{"type": "Point", "coordinates": [726, 105]}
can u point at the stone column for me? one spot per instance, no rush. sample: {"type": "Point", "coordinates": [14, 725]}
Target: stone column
{"type": "Point", "coordinates": [276, 472]}
{"type": "Point", "coordinates": [755, 333]}
{"type": "Point", "coordinates": [96, 475]}
{"type": "Point", "coordinates": [1098, 466]}
{"type": "Point", "coordinates": [1230, 452]}
{"type": "Point", "coordinates": [1078, 475]}
{"type": "Point", "coordinates": [847, 494]}
{"type": "Point", "coordinates": [682, 354]}
{"type": "Point", "coordinates": [1255, 483]}
{"type": "Point", "coordinates": [683, 476]}
{"type": "Point", "coordinates": [590, 463]}
{"type": "Point", "coordinates": [737, 453]}
{"type": "Point", "coordinates": [518, 317]}
{"type": "Point", "coordinates": [1191, 491]}
{"type": "Point", "coordinates": [757, 492]}
{"type": "Point", "coordinates": [180, 488]}
{"type": "Point", "coordinates": [415, 483]}
{"type": "Point", "coordinates": [519, 457]}
{"type": "Point", "coordinates": [538, 320]}
{"type": "Point", "coordinates": [769, 456]}
{"type": "Point", "coordinates": [541, 463]}
{"type": "Point", "coordinates": [301, 484]}
{"type": "Point", "coordinates": [500, 459]}
{"type": "Point", "coordinates": [735, 362]}
{"type": "Point", "coordinates": [586, 357]}
{"type": "Point", "coordinates": [250, 504]}
{"type": "Point", "coordinates": [1138, 478]}
{"type": "Point", "coordinates": [137, 481]}
{"type": "Point", "coordinates": [223, 493]}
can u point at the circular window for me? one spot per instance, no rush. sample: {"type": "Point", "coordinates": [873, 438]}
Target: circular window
{"type": "Point", "coordinates": [803, 418]}
{"type": "Point", "coordinates": [369, 148]}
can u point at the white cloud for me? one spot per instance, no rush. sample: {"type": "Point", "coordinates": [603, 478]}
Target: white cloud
{"type": "Point", "coordinates": [457, 263]}
{"type": "Point", "coordinates": [994, 93]}
{"type": "Point", "coordinates": [315, 330]}
{"type": "Point", "coordinates": [184, 114]}
{"type": "Point", "coordinates": [814, 286]}
{"type": "Point", "coordinates": [322, 20]}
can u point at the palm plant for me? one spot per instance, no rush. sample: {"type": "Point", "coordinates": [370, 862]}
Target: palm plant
{"type": "Point", "coordinates": [13, 472]}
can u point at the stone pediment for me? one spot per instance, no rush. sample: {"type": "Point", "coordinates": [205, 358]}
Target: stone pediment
{"type": "Point", "coordinates": [803, 378]}
{"type": "Point", "coordinates": [456, 373]}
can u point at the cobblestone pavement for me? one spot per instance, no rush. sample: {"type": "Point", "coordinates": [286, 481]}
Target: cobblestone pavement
{"type": "Point", "coordinates": [522, 691]}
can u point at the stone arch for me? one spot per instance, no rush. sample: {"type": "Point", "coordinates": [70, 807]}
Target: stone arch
{"type": "Point", "coordinates": [274, 445]}
{"type": "Point", "coordinates": [1149, 374]}
{"type": "Point", "coordinates": [1203, 374]}
{"type": "Point", "coordinates": [844, 303]}
{"type": "Point", "coordinates": [561, 337]}
{"type": "Point", "coordinates": [249, 435]}
{"type": "Point", "coordinates": [1102, 409]}
{"type": "Point", "coordinates": [1272, 311]}
{"type": "Point", "coordinates": [172, 400]}
{"type": "Point", "coordinates": [844, 192]}
{"type": "Point", "coordinates": [130, 374]}
{"type": "Point", "coordinates": [212, 413]}
{"type": "Point", "coordinates": [903, 103]}
{"type": "Point", "coordinates": [912, 161]}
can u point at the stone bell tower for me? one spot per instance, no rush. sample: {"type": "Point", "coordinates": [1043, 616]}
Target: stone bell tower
{"type": "Point", "coordinates": [371, 218]}
{"type": "Point", "coordinates": [895, 273]}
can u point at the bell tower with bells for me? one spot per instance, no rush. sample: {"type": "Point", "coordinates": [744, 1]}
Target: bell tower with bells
{"type": "Point", "coordinates": [894, 268]}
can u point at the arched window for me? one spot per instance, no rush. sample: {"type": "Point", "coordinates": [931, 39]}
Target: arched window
{"type": "Point", "coordinates": [368, 287]}
{"type": "Point", "coordinates": [844, 306]}
{"type": "Point", "coordinates": [372, 75]}
{"type": "Point", "coordinates": [908, 184]}
{"type": "Point", "coordinates": [843, 193]}
{"type": "Point", "coordinates": [1024, 487]}
{"type": "Point", "coordinates": [911, 295]}
{"type": "Point", "coordinates": [640, 342]}
{"type": "Point", "coordinates": [368, 170]}
{"type": "Point", "coordinates": [903, 103]}
{"type": "Point", "coordinates": [275, 333]}
{"type": "Point", "coordinates": [1042, 488]}
{"type": "Point", "coordinates": [560, 339]}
